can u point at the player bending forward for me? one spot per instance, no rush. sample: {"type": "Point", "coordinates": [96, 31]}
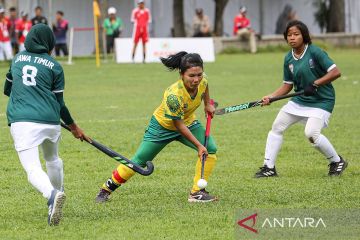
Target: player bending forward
{"type": "Point", "coordinates": [306, 68]}
{"type": "Point", "coordinates": [35, 85]}
{"type": "Point", "coordinates": [174, 120]}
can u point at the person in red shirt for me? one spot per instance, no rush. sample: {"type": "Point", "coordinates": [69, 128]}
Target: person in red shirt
{"type": "Point", "coordinates": [23, 26]}
{"type": "Point", "coordinates": [13, 17]}
{"type": "Point", "coordinates": [141, 18]}
{"type": "Point", "coordinates": [5, 44]}
{"type": "Point", "coordinates": [242, 29]}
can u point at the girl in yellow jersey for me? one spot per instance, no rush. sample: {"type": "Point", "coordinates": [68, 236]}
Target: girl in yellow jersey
{"type": "Point", "coordinates": [174, 120]}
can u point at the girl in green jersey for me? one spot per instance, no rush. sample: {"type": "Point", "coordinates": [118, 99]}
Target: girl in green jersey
{"type": "Point", "coordinates": [306, 68]}
{"type": "Point", "coordinates": [35, 85]}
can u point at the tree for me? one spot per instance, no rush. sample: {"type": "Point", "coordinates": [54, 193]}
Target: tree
{"type": "Point", "coordinates": [178, 19]}
{"type": "Point", "coordinates": [336, 16]}
{"type": "Point", "coordinates": [219, 11]}
{"type": "Point", "coordinates": [330, 15]}
{"type": "Point", "coordinates": [321, 14]}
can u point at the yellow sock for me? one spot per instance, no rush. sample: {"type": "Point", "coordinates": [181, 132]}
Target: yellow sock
{"type": "Point", "coordinates": [119, 176]}
{"type": "Point", "coordinates": [209, 166]}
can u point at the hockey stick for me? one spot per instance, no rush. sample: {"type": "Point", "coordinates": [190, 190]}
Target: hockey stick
{"type": "Point", "coordinates": [247, 105]}
{"type": "Point", "coordinates": [118, 157]}
{"type": "Point", "coordinates": [202, 182]}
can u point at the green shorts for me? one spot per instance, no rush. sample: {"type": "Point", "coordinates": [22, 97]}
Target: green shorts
{"type": "Point", "coordinates": [157, 133]}
{"type": "Point", "coordinates": [157, 137]}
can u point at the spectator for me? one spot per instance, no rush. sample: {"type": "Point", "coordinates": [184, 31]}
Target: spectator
{"type": "Point", "coordinates": [39, 18]}
{"type": "Point", "coordinates": [12, 29]}
{"type": "Point", "coordinates": [242, 29]}
{"type": "Point", "coordinates": [287, 15]}
{"type": "Point", "coordinates": [5, 44]}
{"type": "Point", "coordinates": [141, 18]}
{"type": "Point", "coordinates": [113, 27]}
{"type": "Point", "coordinates": [60, 28]}
{"type": "Point", "coordinates": [23, 26]}
{"type": "Point", "coordinates": [201, 24]}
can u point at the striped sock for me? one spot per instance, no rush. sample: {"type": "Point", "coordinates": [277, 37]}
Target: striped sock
{"type": "Point", "coordinates": [119, 176]}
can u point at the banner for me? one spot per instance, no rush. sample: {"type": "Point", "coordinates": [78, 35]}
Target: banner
{"type": "Point", "coordinates": [163, 47]}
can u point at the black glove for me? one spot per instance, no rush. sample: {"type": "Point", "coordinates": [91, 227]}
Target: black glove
{"type": "Point", "coordinates": [311, 89]}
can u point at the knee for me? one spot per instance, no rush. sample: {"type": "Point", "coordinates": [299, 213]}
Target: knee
{"type": "Point", "coordinates": [51, 157]}
{"type": "Point", "coordinates": [277, 128]}
{"type": "Point", "coordinates": [312, 135]}
{"type": "Point", "coordinates": [34, 171]}
{"type": "Point", "coordinates": [55, 163]}
{"type": "Point", "coordinates": [212, 149]}
{"type": "Point", "coordinates": [140, 159]}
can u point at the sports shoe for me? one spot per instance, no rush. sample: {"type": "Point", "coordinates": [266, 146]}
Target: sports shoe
{"type": "Point", "coordinates": [336, 168]}
{"type": "Point", "coordinates": [265, 171]}
{"type": "Point", "coordinates": [103, 196]}
{"type": "Point", "coordinates": [55, 204]}
{"type": "Point", "coordinates": [201, 196]}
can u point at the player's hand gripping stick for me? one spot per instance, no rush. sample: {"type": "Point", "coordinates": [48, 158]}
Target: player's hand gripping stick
{"type": "Point", "coordinates": [202, 182]}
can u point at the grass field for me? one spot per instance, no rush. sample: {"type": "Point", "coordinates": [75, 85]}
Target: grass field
{"type": "Point", "coordinates": [114, 103]}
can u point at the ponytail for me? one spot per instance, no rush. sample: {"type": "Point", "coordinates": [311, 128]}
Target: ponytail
{"type": "Point", "coordinates": [182, 61]}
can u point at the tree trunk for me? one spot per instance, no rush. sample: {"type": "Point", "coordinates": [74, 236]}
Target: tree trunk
{"type": "Point", "coordinates": [219, 11]}
{"type": "Point", "coordinates": [178, 18]}
{"type": "Point", "coordinates": [336, 16]}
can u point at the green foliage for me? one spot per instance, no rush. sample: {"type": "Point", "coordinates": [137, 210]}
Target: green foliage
{"type": "Point", "coordinates": [114, 103]}
{"type": "Point", "coordinates": [322, 13]}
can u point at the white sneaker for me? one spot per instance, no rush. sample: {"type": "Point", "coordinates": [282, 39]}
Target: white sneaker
{"type": "Point", "coordinates": [55, 204]}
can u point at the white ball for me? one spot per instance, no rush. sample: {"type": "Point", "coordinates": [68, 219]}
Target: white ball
{"type": "Point", "coordinates": [202, 183]}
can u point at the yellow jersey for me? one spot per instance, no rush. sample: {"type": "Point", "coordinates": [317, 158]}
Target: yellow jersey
{"type": "Point", "coordinates": [178, 104]}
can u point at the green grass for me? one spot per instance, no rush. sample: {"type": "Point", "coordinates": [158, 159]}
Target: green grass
{"type": "Point", "coordinates": [114, 103]}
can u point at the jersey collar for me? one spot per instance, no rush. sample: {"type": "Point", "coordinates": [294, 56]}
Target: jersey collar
{"type": "Point", "coordinates": [292, 53]}
{"type": "Point", "coordinates": [186, 92]}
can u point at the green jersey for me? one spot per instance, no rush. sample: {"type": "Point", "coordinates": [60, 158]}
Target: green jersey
{"type": "Point", "coordinates": [112, 26]}
{"type": "Point", "coordinates": [312, 65]}
{"type": "Point", "coordinates": [35, 78]}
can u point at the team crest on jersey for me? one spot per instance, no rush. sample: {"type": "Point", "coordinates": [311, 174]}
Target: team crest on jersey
{"type": "Point", "coordinates": [185, 106]}
{"type": "Point", "coordinates": [173, 103]}
{"type": "Point", "coordinates": [291, 68]}
{"type": "Point", "coordinates": [311, 63]}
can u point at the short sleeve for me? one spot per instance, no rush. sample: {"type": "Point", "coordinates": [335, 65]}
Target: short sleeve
{"type": "Point", "coordinates": [59, 83]}
{"type": "Point", "coordinates": [324, 61]}
{"type": "Point", "coordinates": [288, 76]}
{"type": "Point", "coordinates": [9, 76]}
{"type": "Point", "coordinates": [173, 107]}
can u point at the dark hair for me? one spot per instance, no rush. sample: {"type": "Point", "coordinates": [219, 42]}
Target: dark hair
{"type": "Point", "coordinates": [38, 8]}
{"type": "Point", "coordinates": [182, 61]}
{"type": "Point", "coordinates": [303, 29]}
{"type": "Point", "coordinates": [12, 9]}
{"type": "Point", "coordinates": [60, 12]}
{"type": "Point", "coordinates": [199, 11]}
